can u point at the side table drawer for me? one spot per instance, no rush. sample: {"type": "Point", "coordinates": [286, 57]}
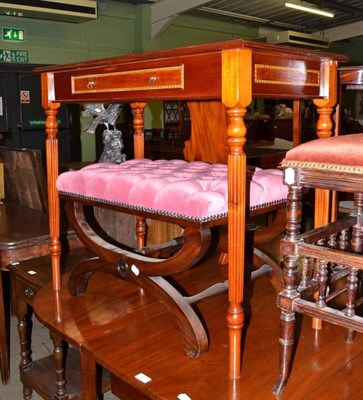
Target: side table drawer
{"type": "Point", "coordinates": [25, 290]}
{"type": "Point", "coordinates": [123, 81]}
{"type": "Point", "coordinates": [27, 277]}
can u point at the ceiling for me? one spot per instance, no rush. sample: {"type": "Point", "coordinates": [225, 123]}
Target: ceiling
{"type": "Point", "coordinates": [265, 14]}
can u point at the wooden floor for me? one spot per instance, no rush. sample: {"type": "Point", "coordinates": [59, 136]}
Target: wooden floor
{"type": "Point", "coordinates": [324, 367]}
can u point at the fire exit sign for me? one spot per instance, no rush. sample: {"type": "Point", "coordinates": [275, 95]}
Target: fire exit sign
{"type": "Point", "coordinates": [14, 56]}
{"type": "Point", "coordinates": [13, 35]}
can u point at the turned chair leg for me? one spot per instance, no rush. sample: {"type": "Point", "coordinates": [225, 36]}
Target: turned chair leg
{"type": "Point", "coordinates": [289, 293]}
{"type": "Point", "coordinates": [287, 328]}
{"type": "Point", "coordinates": [58, 353]}
{"type": "Point", "coordinates": [24, 327]}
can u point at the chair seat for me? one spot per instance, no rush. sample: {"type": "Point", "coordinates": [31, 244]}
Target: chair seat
{"type": "Point", "coordinates": [189, 190]}
{"type": "Point", "coordinates": [337, 153]}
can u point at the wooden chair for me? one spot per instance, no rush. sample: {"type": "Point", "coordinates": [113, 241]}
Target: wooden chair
{"type": "Point", "coordinates": [24, 183]}
{"type": "Point", "coordinates": [327, 254]}
{"type": "Point", "coordinates": [24, 225]}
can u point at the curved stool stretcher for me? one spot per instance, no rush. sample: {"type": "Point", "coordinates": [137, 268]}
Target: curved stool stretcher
{"type": "Point", "coordinates": [193, 195]}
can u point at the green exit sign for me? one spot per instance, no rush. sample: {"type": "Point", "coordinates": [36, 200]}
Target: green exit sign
{"type": "Point", "coordinates": [13, 35]}
{"type": "Point", "coordinates": [14, 56]}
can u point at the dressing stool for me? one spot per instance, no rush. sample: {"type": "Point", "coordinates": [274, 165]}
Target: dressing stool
{"type": "Point", "coordinates": [329, 254]}
{"type": "Point", "coordinates": [193, 195]}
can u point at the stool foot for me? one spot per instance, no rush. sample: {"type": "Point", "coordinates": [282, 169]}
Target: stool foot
{"type": "Point", "coordinates": [287, 329]}
{"type": "Point", "coordinates": [194, 335]}
{"type": "Point", "coordinates": [27, 392]}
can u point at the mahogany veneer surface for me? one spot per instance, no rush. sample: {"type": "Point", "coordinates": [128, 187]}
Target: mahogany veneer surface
{"type": "Point", "coordinates": [351, 75]}
{"type": "Point", "coordinates": [108, 303]}
{"type": "Point", "coordinates": [24, 234]}
{"type": "Point", "coordinates": [151, 344]}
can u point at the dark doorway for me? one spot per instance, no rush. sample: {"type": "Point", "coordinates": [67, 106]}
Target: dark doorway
{"type": "Point", "coordinates": [22, 117]}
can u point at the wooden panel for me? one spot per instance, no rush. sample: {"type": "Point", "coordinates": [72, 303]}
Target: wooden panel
{"type": "Point", "coordinates": [26, 284]}
{"type": "Point", "coordinates": [161, 232]}
{"type": "Point", "coordinates": [122, 228]}
{"type": "Point", "coordinates": [119, 226]}
{"type": "Point", "coordinates": [208, 141]}
{"type": "Point", "coordinates": [24, 176]}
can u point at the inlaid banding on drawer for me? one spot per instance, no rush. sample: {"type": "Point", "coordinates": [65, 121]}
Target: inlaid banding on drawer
{"type": "Point", "coordinates": [123, 81]}
{"type": "Point", "coordinates": [282, 75]}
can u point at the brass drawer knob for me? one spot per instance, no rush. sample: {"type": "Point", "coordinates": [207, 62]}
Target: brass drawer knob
{"type": "Point", "coordinates": [29, 293]}
{"type": "Point", "coordinates": [91, 84]}
{"type": "Point", "coordinates": [153, 80]}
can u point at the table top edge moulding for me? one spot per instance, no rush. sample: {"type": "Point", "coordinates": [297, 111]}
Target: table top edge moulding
{"type": "Point", "coordinates": [196, 49]}
{"type": "Point", "coordinates": [352, 75]}
{"type": "Point", "coordinates": [233, 72]}
{"type": "Point", "coordinates": [142, 76]}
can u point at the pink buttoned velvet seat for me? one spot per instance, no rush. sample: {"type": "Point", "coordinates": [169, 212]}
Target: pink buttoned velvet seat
{"type": "Point", "coordinates": [328, 254]}
{"type": "Point", "coordinates": [190, 191]}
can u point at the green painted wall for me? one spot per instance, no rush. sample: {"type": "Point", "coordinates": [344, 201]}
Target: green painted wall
{"type": "Point", "coordinates": [53, 42]}
{"type": "Point", "coordinates": [190, 30]}
{"type": "Point", "coordinates": [123, 29]}
{"type": "Point", "coordinates": [351, 47]}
